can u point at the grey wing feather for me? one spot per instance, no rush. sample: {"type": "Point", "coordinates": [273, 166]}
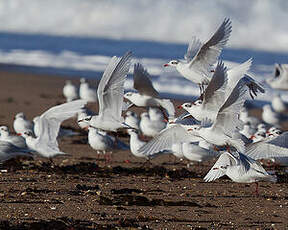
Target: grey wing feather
{"type": "Point", "coordinates": [219, 168]}
{"type": "Point", "coordinates": [49, 122]}
{"type": "Point", "coordinates": [165, 139]}
{"type": "Point", "coordinates": [192, 49]}
{"type": "Point", "coordinates": [111, 87]}
{"type": "Point", "coordinates": [276, 147]}
{"type": "Point", "coordinates": [210, 51]}
{"type": "Point", "coordinates": [214, 94]}
{"type": "Point", "coordinates": [228, 116]}
{"type": "Point", "coordinates": [142, 82]}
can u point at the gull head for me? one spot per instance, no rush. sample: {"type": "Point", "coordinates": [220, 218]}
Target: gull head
{"type": "Point", "coordinates": [131, 131]}
{"type": "Point", "coordinates": [20, 115]}
{"type": "Point", "coordinates": [128, 95]}
{"type": "Point", "coordinates": [172, 63]}
{"type": "Point", "coordinates": [193, 128]}
{"type": "Point", "coordinates": [86, 119]}
{"type": "Point", "coordinates": [198, 102]}
{"type": "Point", "coordinates": [4, 128]}
{"type": "Point", "coordinates": [82, 80]}
{"type": "Point", "coordinates": [4, 131]}
{"type": "Point", "coordinates": [187, 106]}
{"type": "Point", "coordinates": [27, 134]}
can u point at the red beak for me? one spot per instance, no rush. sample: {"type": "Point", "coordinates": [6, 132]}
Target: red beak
{"type": "Point", "coordinates": [252, 137]}
{"type": "Point", "coordinates": [165, 120]}
{"type": "Point", "coordinates": [18, 134]}
{"type": "Point", "coordinates": [165, 65]}
{"type": "Point", "coordinates": [180, 107]}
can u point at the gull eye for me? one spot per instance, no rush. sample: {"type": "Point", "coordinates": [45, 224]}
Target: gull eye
{"type": "Point", "coordinates": [188, 105]}
{"type": "Point", "coordinates": [174, 62]}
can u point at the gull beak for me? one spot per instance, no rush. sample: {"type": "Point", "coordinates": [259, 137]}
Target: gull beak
{"type": "Point", "coordinates": [179, 107]}
{"type": "Point", "coordinates": [18, 134]}
{"type": "Point", "coordinates": [267, 132]}
{"type": "Point", "coordinates": [81, 120]}
{"type": "Point", "coordinates": [165, 120]}
{"type": "Point", "coordinates": [252, 137]}
{"type": "Point", "coordinates": [165, 65]}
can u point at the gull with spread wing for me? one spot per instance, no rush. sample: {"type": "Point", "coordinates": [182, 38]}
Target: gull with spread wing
{"type": "Point", "coordinates": [110, 95]}
{"type": "Point", "coordinates": [239, 168]}
{"type": "Point", "coordinates": [221, 131]}
{"type": "Point", "coordinates": [147, 94]}
{"type": "Point", "coordinates": [219, 89]}
{"type": "Point", "coordinates": [174, 134]}
{"type": "Point", "coordinates": [48, 128]}
{"type": "Point", "coordinates": [200, 57]}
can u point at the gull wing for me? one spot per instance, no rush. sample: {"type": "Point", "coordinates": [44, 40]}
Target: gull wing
{"type": "Point", "coordinates": [50, 121]}
{"type": "Point", "coordinates": [193, 48]}
{"type": "Point", "coordinates": [210, 51]}
{"type": "Point", "coordinates": [8, 151]}
{"type": "Point", "coordinates": [214, 95]}
{"type": "Point", "coordinates": [111, 86]}
{"type": "Point", "coordinates": [226, 160]}
{"type": "Point", "coordinates": [165, 139]}
{"type": "Point", "coordinates": [275, 147]}
{"type": "Point", "coordinates": [228, 116]}
{"type": "Point", "coordinates": [142, 82]}
{"type": "Point", "coordinates": [219, 168]}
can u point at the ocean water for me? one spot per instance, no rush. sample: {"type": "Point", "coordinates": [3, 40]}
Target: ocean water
{"type": "Point", "coordinates": [75, 38]}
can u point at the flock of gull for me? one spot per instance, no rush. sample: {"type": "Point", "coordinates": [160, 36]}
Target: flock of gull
{"type": "Point", "coordinates": [216, 125]}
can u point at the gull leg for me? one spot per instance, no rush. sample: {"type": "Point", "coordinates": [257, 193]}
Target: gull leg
{"type": "Point", "coordinates": [256, 189]}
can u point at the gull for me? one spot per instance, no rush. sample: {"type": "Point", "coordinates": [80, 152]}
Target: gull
{"type": "Point", "coordinates": [49, 124]}
{"type": "Point", "coordinates": [18, 141]}
{"type": "Point", "coordinates": [147, 95]}
{"type": "Point", "coordinates": [271, 117]}
{"type": "Point", "coordinates": [278, 104]}
{"type": "Point", "coordinates": [213, 97]}
{"type": "Point", "coordinates": [169, 138]}
{"type": "Point", "coordinates": [280, 80]}
{"type": "Point", "coordinates": [239, 168]}
{"type": "Point", "coordinates": [155, 114]}
{"type": "Point", "coordinates": [70, 91]}
{"type": "Point", "coordinates": [81, 116]}
{"type": "Point", "coordinates": [258, 136]}
{"type": "Point", "coordinates": [194, 152]}
{"type": "Point", "coordinates": [150, 127]}
{"type": "Point", "coordinates": [219, 89]}
{"type": "Point", "coordinates": [101, 142]}
{"type": "Point", "coordinates": [8, 151]}
{"type": "Point", "coordinates": [136, 143]}
{"type": "Point", "coordinates": [261, 127]}
{"type": "Point", "coordinates": [227, 121]}
{"type": "Point", "coordinates": [200, 57]}
{"type": "Point", "coordinates": [132, 120]}
{"type": "Point", "coordinates": [110, 95]}
{"type": "Point", "coordinates": [273, 146]}
{"type": "Point", "coordinates": [86, 92]}
{"type": "Point", "coordinates": [21, 124]}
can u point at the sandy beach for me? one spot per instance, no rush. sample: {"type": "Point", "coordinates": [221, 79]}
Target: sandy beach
{"type": "Point", "coordinates": [80, 191]}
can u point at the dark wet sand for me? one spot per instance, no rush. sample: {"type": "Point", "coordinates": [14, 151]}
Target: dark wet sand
{"type": "Point", "coordinates": [82, 192]}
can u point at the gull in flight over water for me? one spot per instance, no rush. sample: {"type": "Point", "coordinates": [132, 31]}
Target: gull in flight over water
{"type": "Point", "coordinates": [200, 57]}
